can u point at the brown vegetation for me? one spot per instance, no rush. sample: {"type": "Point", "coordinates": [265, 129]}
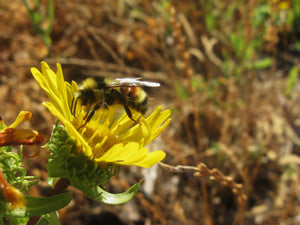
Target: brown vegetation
{"type": "Point", "coordinates": [233, 141]}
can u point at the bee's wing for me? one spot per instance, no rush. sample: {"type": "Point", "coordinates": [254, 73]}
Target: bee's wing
{"type": "Point", "coordinates": [132, 82]}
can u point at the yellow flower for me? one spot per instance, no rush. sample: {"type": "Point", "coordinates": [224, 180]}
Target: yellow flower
{"type": "Point", "coordinates": [12, 136]}
{"type": "Point", "coordinates": [283, 4]}
{"type": "Point", "coordinates": [105, 139]}
{"type": "Point", "coordinates": [23, 116]}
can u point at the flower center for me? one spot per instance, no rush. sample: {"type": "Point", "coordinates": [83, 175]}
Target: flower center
{"type": "Point", "coordinates": [96, 132]}
{"type": "Point", "coordinates": [99, 138]}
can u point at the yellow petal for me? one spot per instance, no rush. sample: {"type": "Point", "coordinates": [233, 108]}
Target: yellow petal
{"type": "Point", "coordinates": [151, 159]}
{"type": "Point", "coordinates": [73, 132]}
{"type": "Point", "coordinates": [23, 116]}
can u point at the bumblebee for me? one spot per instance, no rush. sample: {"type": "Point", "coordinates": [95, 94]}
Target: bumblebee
{"type": "Point", "coordinates": [95, 93]}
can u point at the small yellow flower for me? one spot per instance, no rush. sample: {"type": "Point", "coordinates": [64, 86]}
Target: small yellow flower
{"type": "Point", "coordinates": [12, 136]}
{"type": "Point", "coordinates": [283, 4]}
{"type": "Point", "coordinates": [105, 139]}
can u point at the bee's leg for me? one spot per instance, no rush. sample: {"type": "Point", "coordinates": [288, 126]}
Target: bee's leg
{"type": "Point", "coordinates": [101, 104]}
{"type": "Point", "coordinates": [129, 114]}
{"type": "Point", "coordinates": [124, 102]}
{"type": "Point", "coordinates": [90, 115]}
{"type": "Point", "coordinates": [73, 106]}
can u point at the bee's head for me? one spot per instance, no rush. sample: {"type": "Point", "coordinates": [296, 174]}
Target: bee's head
{"type": "Point", "coordinates": [86, 94]}
{"type": "Point", "coordinates": [89, 83]}
{"type": "Point", "coordinates": [86, 97]}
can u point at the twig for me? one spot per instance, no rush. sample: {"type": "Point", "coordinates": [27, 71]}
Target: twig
{"type": "Point", "coordinates": [214, 174]}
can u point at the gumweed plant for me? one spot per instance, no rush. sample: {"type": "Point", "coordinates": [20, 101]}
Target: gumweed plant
{"type": "Point", "coordinates": [84, 153]}
{"type": "Point", "coordinates": [11, 197]}
{"type": "Point", "coordinates": [88, 154]}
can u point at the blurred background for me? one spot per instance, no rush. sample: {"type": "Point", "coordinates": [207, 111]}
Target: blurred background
{"type": "Point", "coordinates": [229, 73]}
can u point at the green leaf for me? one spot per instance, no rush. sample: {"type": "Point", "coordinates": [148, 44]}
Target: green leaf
{"type": "Point", "coordinates": [166, 4]}
{"type": "Point", "coordinates": [292, 79]}
{"type": "Point", "coordinates": [260, 64]}
{"type": "Point", "coordinates": [296, 16]}
{"type": "Point", "coordinates": [237, 42]}
{"type": "Point", "coordinates": [260, 14]}
{"type": "Point", "coordinates": [112, 199]}
{"type": "Point", "coordinates": [51, 10]}
{"type": "Point", "coordinates": [210, 22]}
{"type": "Point", "coordinates": [37, 206]}
{"type": "Point", "coordinates": [181, 91]}
{"type": "Point", "coordinates": [49, 219]}
{"type": "Point", "coordinates": [297, 46]}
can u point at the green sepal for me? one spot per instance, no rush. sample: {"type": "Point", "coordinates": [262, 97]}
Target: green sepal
{"type": "Point", "coordinates": [66, 162]}
{"type": "Point", "coordinates": [109, 198]}
{"type": "Point", "coordinates": [60, 146]}
{"type": "Point", "coordinates": [37, 206]}
{"type": "Point", "coordinates": [2, 124]}
{"type": "Point", "coordinates": [121, 198]}
{"type": "Point", "coordinates": [12, 169]}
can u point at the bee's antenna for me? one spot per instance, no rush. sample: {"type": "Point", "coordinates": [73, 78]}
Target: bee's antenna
{"type": "Point", "coordinates": [129, 114]}
{"type": "Point", "coordinates": [89, 115]}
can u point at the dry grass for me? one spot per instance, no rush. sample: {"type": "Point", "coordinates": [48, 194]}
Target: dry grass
{"type": "Point", "coordinates": [233, 143]}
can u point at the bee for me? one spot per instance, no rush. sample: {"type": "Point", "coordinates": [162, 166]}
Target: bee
{"type": "Point", "coordinates": [95, 93]}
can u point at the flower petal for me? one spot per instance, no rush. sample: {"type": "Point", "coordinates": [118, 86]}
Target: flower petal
{"type": "Point", "coordinates": [151, 159]}
{"type": "Point", "coordinates": [23, 116]}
